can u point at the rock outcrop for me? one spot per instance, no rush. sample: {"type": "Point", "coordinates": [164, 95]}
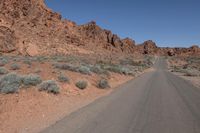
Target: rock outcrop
{"type": "Point", "coordinates": [28, 27]}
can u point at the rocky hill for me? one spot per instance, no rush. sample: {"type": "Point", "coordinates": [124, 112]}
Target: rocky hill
{"type": "Point", "coordinates": [28, 27]}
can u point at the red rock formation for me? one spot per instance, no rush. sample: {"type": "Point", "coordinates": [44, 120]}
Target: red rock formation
{"type": "Point", "coordinates": [28, 27]}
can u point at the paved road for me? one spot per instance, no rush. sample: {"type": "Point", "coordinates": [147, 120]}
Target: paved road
{"type": "Point", "coordinates": [156, 102]}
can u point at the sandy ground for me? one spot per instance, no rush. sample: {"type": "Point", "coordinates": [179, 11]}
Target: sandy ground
{"type": "Point", "coordinates": [29, 111]}
{"type": "Point", "coordinates": [194, 80]}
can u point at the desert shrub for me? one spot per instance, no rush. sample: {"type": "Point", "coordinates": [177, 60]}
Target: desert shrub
{"type": "Point", "coordinates": [41, 59]}
{"type": "Point", "coordinates": [113, 68]}
{"type": "Point", "coordinates": [130, 62]}
{"type": "Point", "coordinates": [3, 61]}
{"type": "Point", "coordinates": [10, 83]}
{"type": "Point", "coordinates": [118, 69]}
{"type": "Point", "coordinates": [50, 86]}
{"type": "Point", "coordinates": [63, 78]}
{"type": "Point", "coordinates": [65, 58]}
{"type": "Point", "coordinates": [73, 68]}
{"type": "Point", "coordinates": [27, 61]}
{"type": "Point", "coordinates": [98, 70]}
{"type": "Point", "coordinates": [82, 84]}
{"type": "Point", "coordinates": [126, 71]}
{"type": "Point", "coordinates": [15, 66]}
{"type": "Point", "coordinates": [103, 84]}
{"type": "Point", "coordinates": [3, 71]}
{"type": "Point", "coordinates": [68, 67]}
{"type": "Point", "coordinates": [84, 70]}
{"type": "Point", "coordinates": [191, 72]}
{"type": "Point", "coordinates": [31, 80]}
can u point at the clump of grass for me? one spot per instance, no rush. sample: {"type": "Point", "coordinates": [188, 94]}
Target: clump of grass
{"type": "Point", "coordinates": [10, 83]}
{"type": "Point", "coordinates": [50, 86]}
{"type": "Point", "coordinates": [15, 66]}
{"type": "Point", "coordinates": [63, 78]}
{"type": "Point", "coordinates": [3, 71]}
{"type": "Point", "coordinates": [103, 84]}
{"type": "Point", "coordinates": [82, 84]}
{"type": "Point", "coordinates": [31, 80]}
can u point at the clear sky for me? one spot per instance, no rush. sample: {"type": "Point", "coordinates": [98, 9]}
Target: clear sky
{"type": "Point", "coordinates": [167, 22]}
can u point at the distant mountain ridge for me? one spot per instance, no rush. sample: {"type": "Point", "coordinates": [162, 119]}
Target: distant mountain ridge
{"type": "Point", "coordinates": [28, 27]}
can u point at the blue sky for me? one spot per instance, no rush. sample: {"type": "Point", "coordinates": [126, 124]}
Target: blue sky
{"type": "Point", "coordinates": [167, 22]}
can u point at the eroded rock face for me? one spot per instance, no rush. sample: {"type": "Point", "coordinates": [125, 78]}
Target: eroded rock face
{"type": "Point", "coordinates": [7, 40]}
{"type": "Point", "coordinates": [28, 27]}
{"type": "Point", "coordinates": [150, 47]}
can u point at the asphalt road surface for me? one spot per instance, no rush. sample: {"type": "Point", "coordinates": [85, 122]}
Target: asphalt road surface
{"type": "Point", "coordinates": [155, 102]}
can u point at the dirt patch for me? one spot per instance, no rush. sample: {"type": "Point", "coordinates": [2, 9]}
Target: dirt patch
{"type": "Point", "coordinates": [194, 80]}
{"type": "Point", "coordinates": [31, 110]}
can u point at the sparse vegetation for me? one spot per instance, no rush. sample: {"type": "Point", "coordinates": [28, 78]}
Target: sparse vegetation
{"type": "Point", "coordinates": [3, 61]}
{"type": "Point", "coordinates": [84, 70]}
{"type": "Point", "coordinates": [82, 84]}
{"type": "Point", "coordinates": [41, 59]}
{"type": "Point", "coordinates": [63, 78]}
{"type": "Point", "coordinates": [15, 66]}
{"type": "Point", "coordinates": [3, 71]}
{"type": "Point", "coordinates": [68, 67]}
{"type": "Point", "coordinates": [98, 70]}
{"type": "Point", "coordinates": [37, 70]}
{"type": "Point", "coordinates": [27, 61]}
{"type": "Point", "coordinates": [31, 80]}
{"type": "Point", "coordinates": [118, 69]}
{"type": "Point", "coordinates": [104, 67]}
{"type": "Point", "coordinates": [10, 83]}
{"type": "Point", "coordinates": [191, 67]}
{"type": "Point", "coordinates": [50, 86]}
{"type": "Point", "coordinates": [103, 84]}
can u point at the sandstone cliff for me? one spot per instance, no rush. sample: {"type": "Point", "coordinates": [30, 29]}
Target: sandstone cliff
{"type": "Point", "coordinates": [28, 27]}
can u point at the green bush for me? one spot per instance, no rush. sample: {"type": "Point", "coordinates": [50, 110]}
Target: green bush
{"type": "Point", "coordinates": [10, 83]}
{"type": "Point", "coordinates": [15, 66]}
{"type": "Point", "coordinates": [103, 84]}
{"type": "Point", "coordinates": [32, 80]}
{"type": "Point", "coordinates": [3, 71]}
{"type": "Point", "coordinates": [82, 84]}
{"type": "Point", "coordinates": [50, 86]}
{"type": "Point", "coordinates": [63, 78]}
